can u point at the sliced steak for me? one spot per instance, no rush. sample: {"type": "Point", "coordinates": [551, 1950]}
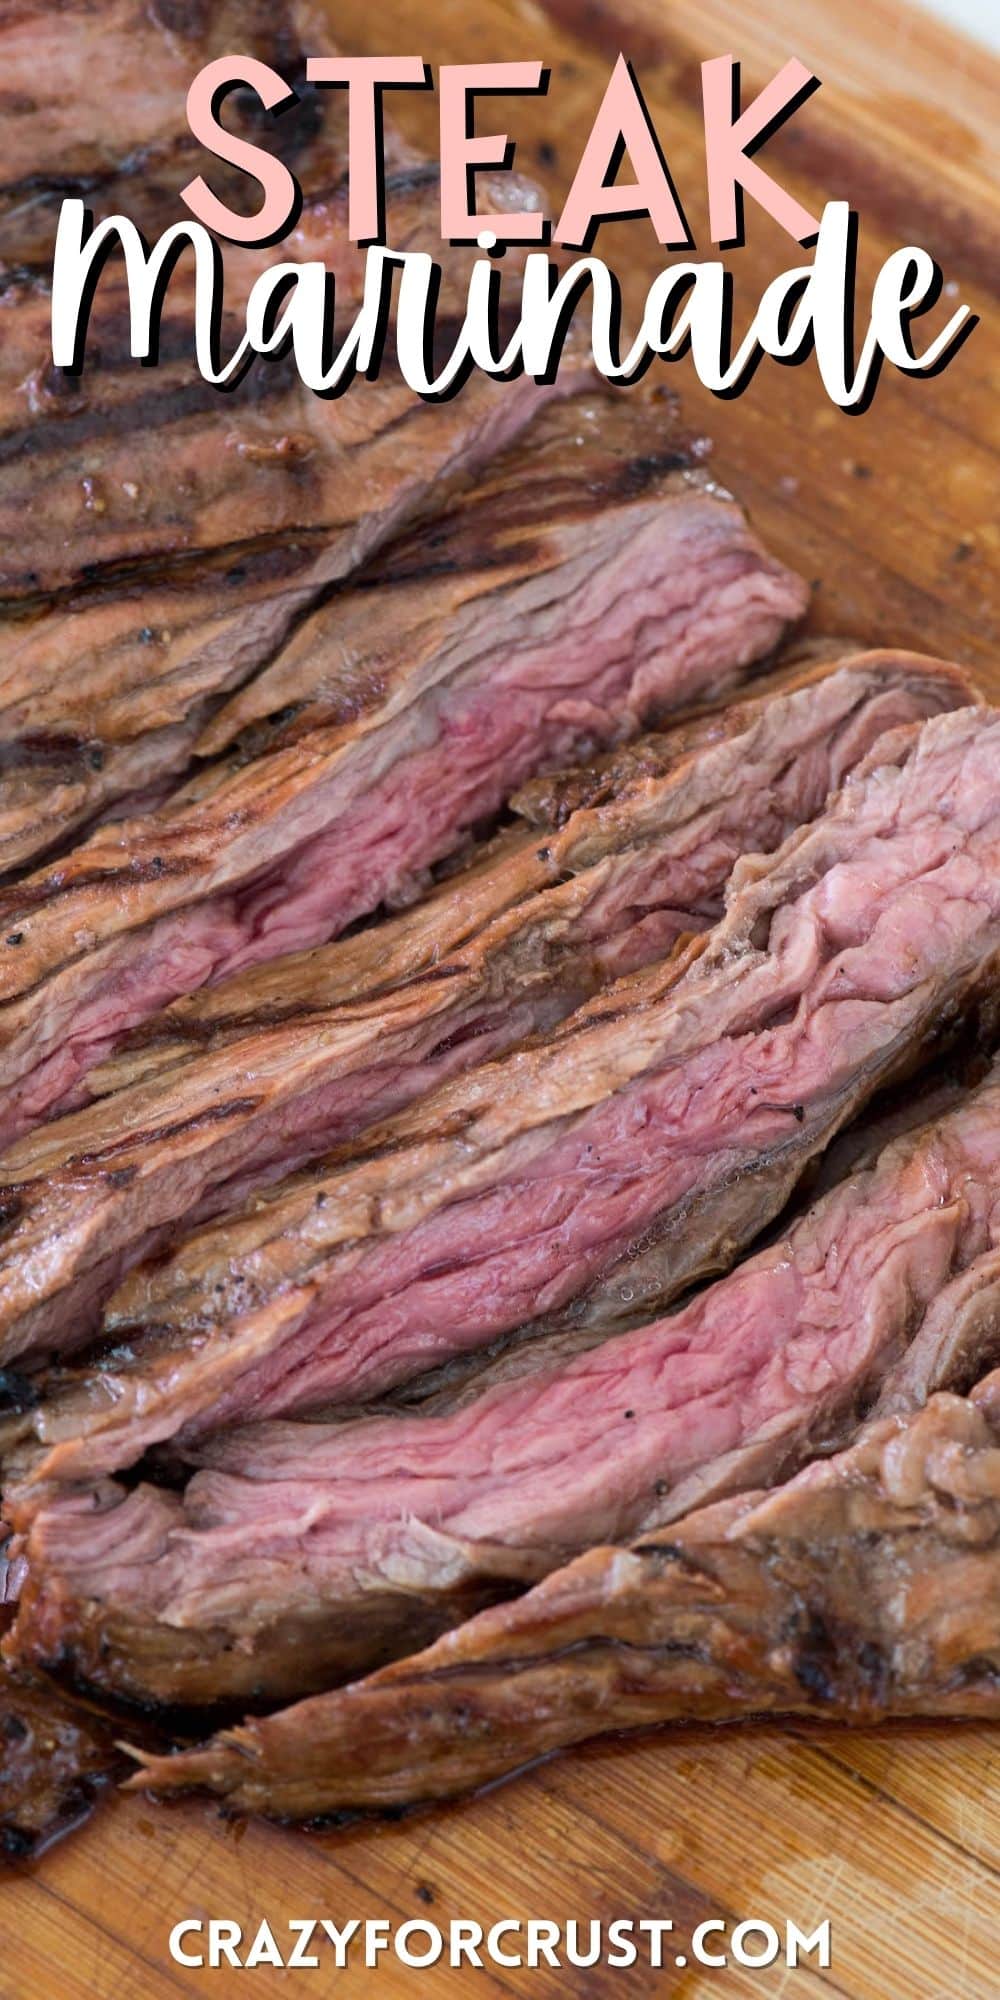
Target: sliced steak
{"type": "Point", "coordinates": [128, 126]}
{"type": "Point", "coordinates": [239, 502]}
{"type": "Point", "coordinates": [642, 589]}
{"type": "Point", "coordinates": [302, 1553]}
{"type": "Point", "coordinates": [103, 698]}
{"type": "Point", "coordinates": [262, 1073]}
{"type": "Point", "coordinates": [658, 1130]}
{"type": "Point", "coordinates": [129, 149]}
{"type": "Point", "coordinates": [868, 1587]}
{"type": "Point", "coordinates": [959, 1064]}
{"type": "Point", "coordinates": [117, 466]}
{"type": "Point", "coordinates": [123, 465]}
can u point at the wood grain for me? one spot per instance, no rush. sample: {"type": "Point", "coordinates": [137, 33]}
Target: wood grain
{"type": "Point", "coordinates": [894, 1834]}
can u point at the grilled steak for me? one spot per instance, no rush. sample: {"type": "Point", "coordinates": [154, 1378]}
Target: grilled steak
{"type": "Point", "coordinates": [640, 1148]}
{"type": "Point", "coordinates": [56, 1756]}
{"type": "Point", "coordinates": [269, 1069]}
{"type": "Point", "coordinates": [301, 1553]}
{"type": "Point", "coordinates": [867, 1587]}
{"type": "Point", "coordinates": [641, 588]}
{"type": "Point", "coordinates": [640, 791]}
{"type": "Point", "coordinates": [103, 698]}
{"type": "Point", "coordinates": [121, 465]}
{"type": "Point", "coordinates": [103, 695]}
{"type": "Point", "coordinates": [114, 467]}
{"type": "Point", "coordinates": [240, 500]}
{"type": "Point", "coordinates": [126, 135]}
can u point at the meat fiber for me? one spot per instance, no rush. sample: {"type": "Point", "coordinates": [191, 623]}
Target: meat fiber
{"type": "Point", "coordinates": [303, 1553]}
{"type": "Point", "coordinates": [868, 1587]}
{"type": "Point", "coordinates": [586, 590]}
{"type": "Point", "coordinates": [638, 1149]}
{"type": "Point", "coordinates": [255, 1077]}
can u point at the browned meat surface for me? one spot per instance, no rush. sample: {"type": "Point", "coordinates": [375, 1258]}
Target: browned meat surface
{"type": "Point", "coordinates": [124, 465]}
{"type": "Point", "coordinates": [868, 1587]}
{"type": "Point", "coordinates": [56, 1758]}
{"type": "Point", "coordinates": [111, 165]}
{"type": "Point", "coordinates": [119, 465]}
{"type": "Point", "coordinates": [93, 101]}
{"type": "Point", "coordinates": [304, 1553]}
{"type": "Point", "coordinates": [239, 502]}
{"type": "Point", "coordinates": [492, 1132]}
{"type": "Point", "coordinates": [520, 631]}
{"type": "Point", "coordinates": [269, 1069]}
{"type": "Point", "coordinates": [638, 1149]}
{"type": "Point", "coordinates": [103, 698]}
{"type": "Point", "coordinates": [246, 505]}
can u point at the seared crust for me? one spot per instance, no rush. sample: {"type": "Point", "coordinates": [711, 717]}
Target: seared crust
{"type": "Point", "coordinates": [305, 1553]}
{"type": "Point", "coordinates": [521, 1189]}
{"type": "Point", "coordinates": [261, 1073]}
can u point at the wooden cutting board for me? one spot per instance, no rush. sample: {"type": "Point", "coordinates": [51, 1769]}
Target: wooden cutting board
{"type": "Point", "coordinates": [892, 1834]}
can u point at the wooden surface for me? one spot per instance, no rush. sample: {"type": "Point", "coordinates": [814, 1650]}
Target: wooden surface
{"type": "Point", "coordinates": [893, 1835]}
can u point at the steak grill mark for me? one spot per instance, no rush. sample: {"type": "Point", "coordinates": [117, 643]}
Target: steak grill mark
{"type": "Point", "coordinates": [286, 1061]}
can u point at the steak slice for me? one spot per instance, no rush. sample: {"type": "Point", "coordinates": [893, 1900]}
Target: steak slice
{"type": "Point", "coordinates": [661, 1128]}
{"type": "Point", "coordinates": [259, 1075]}
{"type": "Point", "coordinates": [867, 1587]}
{"type": "Point", "coordinates": [129, 127]}
{"type": "Point", "coordinates": [103, 697]}
{"type": "Point", "coordinates": [115, 466]}
{"type": "Point", "coordinates": [123, 465]}
{"type": "Point", "coordinates": [239, 501]}
{"type": "Point", "coordinates": [302, 1553]}
{"type": "Point", "coordinates": [504, 642]}
{"type": "Point", "coordinates": [137, 161]}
